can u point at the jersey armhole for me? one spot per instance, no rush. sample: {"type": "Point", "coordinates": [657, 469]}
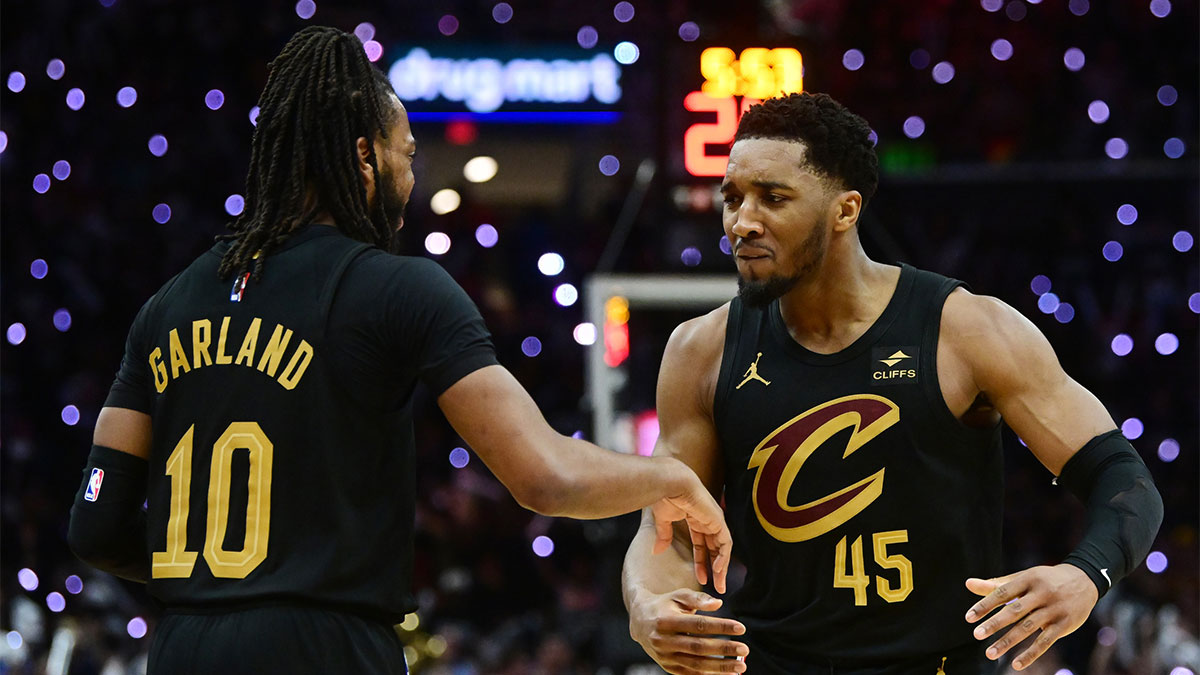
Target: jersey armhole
{"type": "Point", "coordinates": [931, 385]}
{"type": "Point", "coordinates": [733, 325]}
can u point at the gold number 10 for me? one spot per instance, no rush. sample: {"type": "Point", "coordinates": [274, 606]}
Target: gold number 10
{"type": "Point", "coordinates": [177, 562]}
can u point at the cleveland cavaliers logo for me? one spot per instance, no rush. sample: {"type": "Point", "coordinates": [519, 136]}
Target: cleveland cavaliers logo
{"type": "Point", "coordinates": [780, 456]}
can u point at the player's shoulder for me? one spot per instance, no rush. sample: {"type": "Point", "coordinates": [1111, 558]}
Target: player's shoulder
{"type": "Point", "coordinates": [989, 332]}
{"type": "Point", "coordinates": [700, 340]}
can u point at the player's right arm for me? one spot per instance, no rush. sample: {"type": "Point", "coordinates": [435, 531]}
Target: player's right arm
{"type": "Point", "coordinates": [660, 591]}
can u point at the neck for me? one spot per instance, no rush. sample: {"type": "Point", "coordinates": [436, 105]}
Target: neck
{"type": "Point", "coordinates": [840, 299]}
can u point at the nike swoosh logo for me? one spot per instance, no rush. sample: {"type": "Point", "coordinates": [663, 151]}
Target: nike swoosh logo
{"type": "Point", "coordinates": [1105, 573]}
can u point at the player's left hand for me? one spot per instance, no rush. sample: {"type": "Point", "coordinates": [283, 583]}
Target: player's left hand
{"type": "Point", "coordinates": [1053, 600]}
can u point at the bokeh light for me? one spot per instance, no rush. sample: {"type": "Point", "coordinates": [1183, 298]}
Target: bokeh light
{"type": "Point", "coordinates": [1040, 284]}
{"type": "Point", "coordinates": [1156, 562]}
{"type": "Point", "coordinates": [543, 546]}
{"type": "Point", "coordinates": [41, 183]}
{"type": "Point", "coordinates": [1002, 50]}
{"type": "Point", "coordinates": [1168, 450]}
{"type": "Point", "coordinates": [1160, 8]}
{"type": "Point", "coordinates": [3, 141]}
{"type": "Point", "coordinates": [1116, 148]}
{"type": "Point", "coordinates": [480, 169]}
{"type": "Point", "coordinates": [531, 346]}
{"type": "Point", "coordinates": [1166, 344]}
{"type": "Point", "coordinates": [585, 333]}
{"type": "Point", "coordinates": [914, 126]}
{"type": "Point", "coordinates": [38, 269]}
{"type": "Point", "coordinates": [136, 628]}
{"type": "Point", "coordinates": [587, 37]}
{"type": "Point", "coordinates": [609, 165]}
{"type": "Point", "coordinates": [1181, 670]}
{"type": "Point", "coordinates": [126, 96]}
{"type": "Point", "coordinates": [1174, 148]}
{"type": "Point", "coordinates": [234, 204]}
{"type": "Point", "coordinates": [1064, 312]}
{"type": "Point", "coordinates": [943, 72]}
{"type": "Point", "coordinates": [1127, 214]}
{"type": "Point", "coordinates": [1079, 7]}
{"type": "Point", "coordinates": [689, 31]}
{"type": "Point", "coordinates": [1074, 59]}
{"type": "Point", "coordinates": [725, 246]}
{"type": "Point", "coordinates": [254, 115]}
{"type": "Point", "coordinates": [566, 295]}
{"type": "Point", "coordinates": [459, 457]}
{"type": "Point", "coordinates": [16, 81]}
{"type": "Point", "coordinates": [157, 145]}
{"type": "Point", "coordinates": [502, 12]}
{"type": "Point", "coordinates": [991, 5]}
{"type": "Point", "coordinates": [13, 638]}
{"type": "Point", "coordinates": [62, 320]}
{"type": "Point", "coordinates": [364, 31]}
{"type": "Point", "coordinates": [1133, 428]}
{"type": "Point", "coordinates": [437, 243]}
{"type": "Point", "coordinates": [56, 602]}
{"type": "Point", "coordinates": [623, 12]}
{"type": "Point", "coordinates": [61, 170]}
{"type": "Point", "coordinates": [1182, 241]}
{"type": "Point", "coordinates": [1098, 112]}
{"type": "Point", "coordinates": [486, 235]}
{"type": "Point", "coordinates": [305, 9]}
{"type": "Point", "coordinates": [919, 59]}
{"type": "Point", "coordinates": [214, 99]}
{"type": "Point", "coordinates": [70, 415]}
{"type": "Point", "coordinates": [551, 264]}
{"type": "Point", "coordinates": [1167, 95]}
{"type": "Point", "coordinates": [1194, 303]}
{"type": "Point", "coordinates": [15, 333]}
{"type": "Point", "coordinates": [74, 584]}
{"type": "Point", "coordinates": [690, 256]}
{"type": "Point", "coordinates": [28, 579]}
{"type": "Point", "coordinates": [448, 25]}
{"type": "Point", "coordinates": [1107, 636]}
{"type": "Point", "coordinates": [1047, 303]}
{"type": "Point", "coordinates": [1112, 251]}
{"type": "Point", "coordinates": [373, 49]}
{"type": "Point", "coordinates": [1122, 344]}
{"type": "Point", "coordinates": [161, 213]}
{"type": "Point", "coordinates": [445, 201]}
{"type": "Point", "coordinates": [55, 69]}
{"type": "Point", "coordinates": [853, 59]}
{"type": "Point", "coordinates": [626, 52]}
{"type": "Point", "coordinates": [75, 98]}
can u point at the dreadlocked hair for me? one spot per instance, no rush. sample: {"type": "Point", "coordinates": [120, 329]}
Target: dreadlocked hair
{"type": "Point", "coordinates": [322, 94]}
{"type": "Point", "coordinates": [837, 142]}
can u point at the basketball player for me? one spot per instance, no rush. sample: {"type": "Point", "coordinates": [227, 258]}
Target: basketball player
{"type": "Point", "coordinates": [849, 412]}
{"type": "Point", "coordinates": [264, 405]}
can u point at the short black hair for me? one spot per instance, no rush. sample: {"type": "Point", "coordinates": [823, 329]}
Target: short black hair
{"type": "Point", "coordinates": [837, 142]}
{"type": "Point", "coordinates": [321, 96]}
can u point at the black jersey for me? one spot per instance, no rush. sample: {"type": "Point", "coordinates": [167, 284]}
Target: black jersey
{"type": "Point", "coordinates": [283, 454]}
{"type": "Point", "coordinates": [858, 502]}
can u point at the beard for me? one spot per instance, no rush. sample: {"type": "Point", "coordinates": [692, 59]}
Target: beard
{"type": "Point", "coordinates": [762, 292]}
{"type": "Point", "coordinates": [389, 209]}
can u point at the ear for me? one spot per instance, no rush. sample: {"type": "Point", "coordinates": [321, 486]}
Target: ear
{"type": "Point", "coordinates": [363, 147]}
{"type": "Point", "coordinates": [846, 208]}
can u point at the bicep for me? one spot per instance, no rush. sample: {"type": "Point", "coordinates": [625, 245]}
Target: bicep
{"type": "Point", "coordinates": [684, 404]}
{"type": "Point", "coordinates": [130, 431]}
{"type": "Point", "coordinates": [1019, 372]}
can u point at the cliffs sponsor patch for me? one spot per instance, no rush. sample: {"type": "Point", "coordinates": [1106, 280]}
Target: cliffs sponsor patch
{"type": "Point", "coordinates": [894, 365]}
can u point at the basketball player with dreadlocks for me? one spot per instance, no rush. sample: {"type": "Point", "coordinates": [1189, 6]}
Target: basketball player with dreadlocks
{"type": "Point", "coordinates": [263, 409]}
{"type": "Point", "coordinates": [849, 412]}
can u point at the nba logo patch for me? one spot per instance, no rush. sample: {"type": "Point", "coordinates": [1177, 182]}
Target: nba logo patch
{"type": "Point", "coordinates": [93, 488]}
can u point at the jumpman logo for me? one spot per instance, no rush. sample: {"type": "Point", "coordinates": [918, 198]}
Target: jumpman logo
{"type": "Point", "coordinates": [942, 668]}
{"type": "Point", "coordinates": [752, 373]}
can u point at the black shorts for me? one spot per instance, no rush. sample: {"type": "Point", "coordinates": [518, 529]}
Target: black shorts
{"type": "Point", "coordinates": [279, 639]}
{"type": "Point", "coordinates": [965, 660]}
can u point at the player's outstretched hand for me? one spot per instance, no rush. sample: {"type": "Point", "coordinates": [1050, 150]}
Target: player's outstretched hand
{"type": "Point", "coordinates": [1050, 601]}
{"type": "Point", "coordinates": [668, 627]}
{"type": "Point", "coordinates": [711, 541]}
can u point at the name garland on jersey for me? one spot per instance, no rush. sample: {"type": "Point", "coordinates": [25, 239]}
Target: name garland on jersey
{"type": "Point", "coordinates": [894, 365]}
{"type": "Point", "coordinates": [781, 455]}
{"type": "Point", "coordinates": [266, 360]}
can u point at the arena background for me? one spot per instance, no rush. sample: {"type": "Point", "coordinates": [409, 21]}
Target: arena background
{"type": "Point", "coordinates": [1045, 152]}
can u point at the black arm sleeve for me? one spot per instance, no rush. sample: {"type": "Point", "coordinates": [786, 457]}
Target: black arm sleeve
{"type": "Point", "coordinates": [108, 525]}
{"type": "Point", "coordinates": [1124, 509]}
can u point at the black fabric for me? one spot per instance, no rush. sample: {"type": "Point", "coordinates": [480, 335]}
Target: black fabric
{"type": "Point", "coordinates": [108, 526]}
{"type": "Point", "coordinates": [967, 659]}
{"type": "Point", "coordinates": [314, 368]}
{"type": "Point", "coordinates": [1124, 509]}
{"type": "Point", "coordinates": [867, 420]}
{"type": "Point", "coordinates": [282, 639]}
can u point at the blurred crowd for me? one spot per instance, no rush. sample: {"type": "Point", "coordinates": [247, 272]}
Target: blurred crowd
{"type": "Point", "coordinates": [1011, 183]}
